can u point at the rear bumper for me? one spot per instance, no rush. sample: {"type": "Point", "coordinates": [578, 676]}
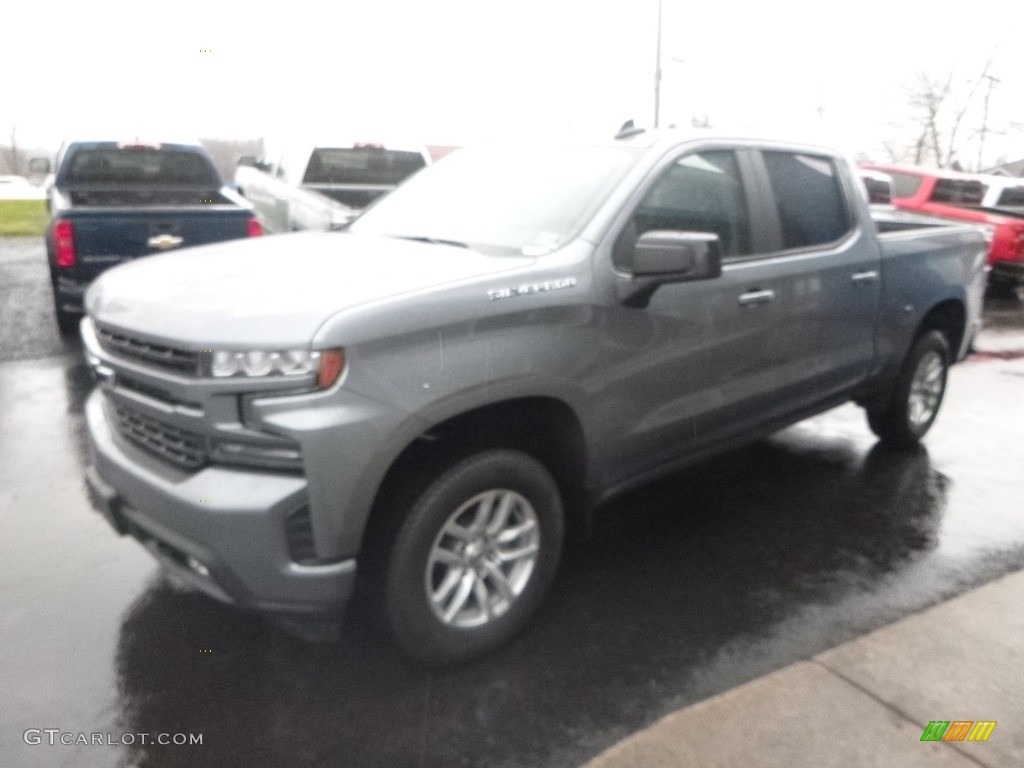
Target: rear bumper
{"type": "Point", "coordinates": [69, 295]}
{"type": "Point", "coordinates": [221, 530]}
{"type": "Point", "coordinates": [1008, 272]}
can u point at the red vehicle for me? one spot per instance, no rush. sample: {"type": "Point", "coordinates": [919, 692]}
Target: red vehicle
{"type": "Point", "coordinates": [959, 196]}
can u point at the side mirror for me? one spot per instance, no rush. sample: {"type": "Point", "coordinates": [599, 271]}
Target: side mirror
{"type": "Point", "coordinates": [39, 165]}
{"type": "Point", "coordinates": [248, 161]}
{"type": "Point", "coordinates": [662, 256]}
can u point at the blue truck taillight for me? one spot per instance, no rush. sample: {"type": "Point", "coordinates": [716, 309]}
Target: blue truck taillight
{"type": "Point", "coordinates": [64, 243]}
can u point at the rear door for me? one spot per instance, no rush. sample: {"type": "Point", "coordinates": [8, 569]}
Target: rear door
{"type": "Point", "coordinates": [830, 271]}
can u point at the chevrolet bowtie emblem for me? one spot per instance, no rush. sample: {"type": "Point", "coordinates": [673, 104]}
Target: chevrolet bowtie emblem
{"type": "Point", "coordinates": [165, 242]}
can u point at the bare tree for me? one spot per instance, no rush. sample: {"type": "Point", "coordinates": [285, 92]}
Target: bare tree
{"type": "Point", "coordinates": [992, 82]}
{"type": "Point", "coordinates": [927, 97]}
{"type": "Point", "coordinates": [939, 110]}
{"type": "Point", "coordinates": [894, 153]}
{"type": "Point", "coordinates": [958, 117]}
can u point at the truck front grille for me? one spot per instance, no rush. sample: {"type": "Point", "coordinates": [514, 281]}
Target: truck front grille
{"type": "Point", "coordinates": [184, 449]}
{"type": "Point", "coordinates": [171, 358]}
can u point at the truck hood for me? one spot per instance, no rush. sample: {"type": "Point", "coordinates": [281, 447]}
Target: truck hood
{"type": "Point", "coordinates": [275, 291]}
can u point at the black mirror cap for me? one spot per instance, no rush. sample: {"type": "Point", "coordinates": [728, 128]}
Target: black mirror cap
{"type": "Point", "coordinates": [675, 256]}
{"type": "Point", "coordinates": [664, 256]}
{"type": "Point", "coordinates": [39, 165]}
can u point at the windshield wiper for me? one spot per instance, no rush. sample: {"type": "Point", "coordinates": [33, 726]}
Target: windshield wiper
{"type": "Point", "coordinates": [432, 240]}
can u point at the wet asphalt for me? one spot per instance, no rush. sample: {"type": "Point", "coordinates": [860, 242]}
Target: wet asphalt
{"type": "Point", "coordinates": [710, 578]}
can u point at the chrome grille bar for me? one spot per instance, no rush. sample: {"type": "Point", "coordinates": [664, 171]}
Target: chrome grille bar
{"type": "Point", "coordinates": [175, 359]}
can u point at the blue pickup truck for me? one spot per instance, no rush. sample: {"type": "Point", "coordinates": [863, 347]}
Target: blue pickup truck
{"type": "Point", "coordinates": [112, 202]}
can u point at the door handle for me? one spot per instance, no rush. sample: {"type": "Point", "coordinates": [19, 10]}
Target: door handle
{"type": "Point", "coordinates": [868, 276]}
{"type": "Point", "coordinates": [753, 298]}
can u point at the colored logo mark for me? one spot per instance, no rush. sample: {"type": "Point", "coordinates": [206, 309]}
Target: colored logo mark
{"type": "Point", "coordinates": [958, 730]}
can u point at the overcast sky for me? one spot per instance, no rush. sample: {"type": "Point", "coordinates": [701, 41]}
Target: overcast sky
{"type": "Point", "coordinates": [453, 71]}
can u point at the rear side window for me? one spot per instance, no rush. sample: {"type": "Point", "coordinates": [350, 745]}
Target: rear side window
{"type": "Point", "coordinates": [958, 191]}
{"type": "Point", "coordinates": [361, 165]}
{"type": "Point", "coordinates": [141, 166]}
{"type": "Point", "coordinates": [905, 184]}
{"type": "Point", "coordinates": [812, 208]}
{"type": "Point", "coordinates": [1011, 196]}
{"type": "Point", "coordinates": [702, 192]}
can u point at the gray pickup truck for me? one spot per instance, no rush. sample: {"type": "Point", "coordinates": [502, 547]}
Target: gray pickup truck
{"type": "Point", "coordinates": [437, 397]}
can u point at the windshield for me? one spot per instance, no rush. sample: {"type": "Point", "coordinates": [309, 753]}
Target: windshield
{"type": "Point", "coordinates": [502, 200]}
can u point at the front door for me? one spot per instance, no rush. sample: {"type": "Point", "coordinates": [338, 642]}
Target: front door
{"type": "Point", "coordinates": [702, 358]}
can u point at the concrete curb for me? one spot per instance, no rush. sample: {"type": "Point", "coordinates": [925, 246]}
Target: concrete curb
{"type": "Point", "coordinates": [867, 702]}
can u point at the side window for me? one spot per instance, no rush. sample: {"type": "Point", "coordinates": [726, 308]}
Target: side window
{"type": "Point", "coordinates": [1011, 196]}
{"type": "Point", "coordinates": [958, 192]}
{"type": "Point", "coordinates": [905, 184]}
{"type": "Point", "coordinates": [702, 192]}
{"type": "Point", "coordinates": [812, 209]}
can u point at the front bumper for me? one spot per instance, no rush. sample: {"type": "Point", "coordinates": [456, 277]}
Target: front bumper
{"type": "Point", "coordinates": [221, 530]}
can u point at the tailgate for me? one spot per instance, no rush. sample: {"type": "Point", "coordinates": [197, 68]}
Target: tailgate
{"type": "Point", "coordinates": [105, 237]}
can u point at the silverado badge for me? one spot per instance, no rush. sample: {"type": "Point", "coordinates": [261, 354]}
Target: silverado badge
{"type": "Point", "coordinates": [526, 289]}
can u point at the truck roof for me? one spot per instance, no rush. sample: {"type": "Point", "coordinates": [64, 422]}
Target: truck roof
{"type": "Point", "coordinates": [176, 142]}
{"type": "Point", "coordinates": [918, 170]}
{"type": "Point", "coordinates": [649, 138]}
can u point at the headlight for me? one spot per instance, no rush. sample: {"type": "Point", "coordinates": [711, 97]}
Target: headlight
{"type": "Point", "coordinates": [326, 365]}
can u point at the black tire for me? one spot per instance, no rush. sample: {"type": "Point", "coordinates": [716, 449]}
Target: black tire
{"type": "Point", "coordinates": [895, 419]}
{"type": "Point", "coordinates": [411, 568]}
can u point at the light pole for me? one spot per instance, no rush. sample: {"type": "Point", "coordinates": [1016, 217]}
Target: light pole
{"type": "Point", "coordinates": [657, 71]}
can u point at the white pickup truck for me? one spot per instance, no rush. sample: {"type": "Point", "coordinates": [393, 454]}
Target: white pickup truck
{"type": "Point", "coordinates": [322, 185]}
{"type": "Point", "coordinates": [1005, 193]}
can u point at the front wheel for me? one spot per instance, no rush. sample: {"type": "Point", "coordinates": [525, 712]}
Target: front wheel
{"type": "Point", "coordinates": [911, 409]}
{"type": "Point", "coordinates": [474, 557]}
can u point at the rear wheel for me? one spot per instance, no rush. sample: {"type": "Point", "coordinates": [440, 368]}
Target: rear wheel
{"type": "Point", "coordinates": [913, 405]}
{"type": "Point", "coordinates": [473, 557]}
